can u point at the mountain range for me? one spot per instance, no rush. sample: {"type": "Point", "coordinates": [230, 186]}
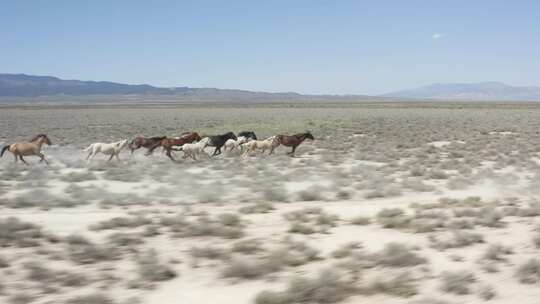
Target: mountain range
{"type": "Point", "coordinates": [20, 86]}
{"type": "Point", "coordinates": [489, 91]}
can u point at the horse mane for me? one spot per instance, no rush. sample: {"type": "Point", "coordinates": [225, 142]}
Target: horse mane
{"type": "Point", "coordinates": [302, 134]}
{"type": "Point", "coordinates": [158, 137]}
{"type": "Point", "coordinates": [37, 137]}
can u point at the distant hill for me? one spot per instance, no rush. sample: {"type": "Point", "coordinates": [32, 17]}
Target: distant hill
{"type": "Point", "coordinates": [21, 85]}
{"type": "Point", "coordinates": [494, 91]}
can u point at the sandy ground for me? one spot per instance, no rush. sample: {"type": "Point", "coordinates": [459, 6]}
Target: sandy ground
{"type": "Point", "coordinates": [70, 197]}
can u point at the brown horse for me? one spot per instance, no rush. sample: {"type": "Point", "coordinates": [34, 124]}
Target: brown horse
{"type": "Point", "coordinates": [294, 140]}
{"type": "Point", "coordinates": [168, 143]}
{"type": "Point", "coordinates": [26, 149]}
{"type": "Point", "coordinates": [149, 143]}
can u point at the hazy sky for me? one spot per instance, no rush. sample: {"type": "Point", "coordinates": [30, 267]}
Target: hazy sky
{"type": "Point", "coordinates": [357, 47]}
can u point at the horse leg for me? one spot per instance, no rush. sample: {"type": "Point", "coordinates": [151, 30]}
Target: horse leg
{"type": "Point", "coordinates": [112, 155]}
{"type": "Point", "coordinates": [117, 157]}
{"type": "Point", "coordinates": [43, 158]}
{"type": "Point", "coordinates": [215, 151]}
{"type": "Point", "coordinates": [21, 158]}
{"type": "Point", "coordinates": [292, 151]}
{"type": "Point", "coordinates": [92, 156]}
{"type": "Point", "coordinates": [169, 154]}
{"type": "Point", "coordinates": [16, 159]}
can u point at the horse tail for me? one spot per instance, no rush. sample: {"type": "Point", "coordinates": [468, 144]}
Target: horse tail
{"type": "Point", "coordinates": [88, 148]}
{"type": "Point", "coordinates": [6, 147]}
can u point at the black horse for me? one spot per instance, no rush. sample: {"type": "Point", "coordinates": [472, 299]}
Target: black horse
{"type": "Point", "coordinates": [218, 141]}
{"type": "Point", "coordinates": [248, 134]}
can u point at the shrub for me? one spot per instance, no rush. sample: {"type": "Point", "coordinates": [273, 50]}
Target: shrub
{"type": "Point", "coordinates": [125, 239]}
{"type": "Point", "coordinates": [536, 241]}
{"type": "Point", "coordinates": [22, 298]}
{"type": "Point", "coordinates": [361, 220]}
{"type": "Point", "coordinates": [150, 268]}
{"type": "Point", "coordinates": [209, 252]}
{"type": "Point", "coordinates": [247, 246]}
{"type": "Point", "coordinates": [97, 298]}
{"type": "Point", "coordinates": [226, 226]}
{"type": "Point", "coordinates": [489, 217]}
{"type": "Point", "coordinates": [229, 219]}
{"type": "Point", "coordinates": [14, 232]}
{"type": "Point", "coordinates": [260, 207]}
{"type": "Point", "coordinates": [328, 287]}
{"type": "Point", "coordinates": [90, 253]}
{"type": "Point", "coordinates": [393, 218]}
{"type": "Point", "coordinates": [121, 222]}
{"type": "Point", "coordinates": [275, 194]}
{"type": "Point", "coordinates": [346, 250]}
{"type": "Point", "coordinates": [496, 252]}
{"type": "Point", "coordinates": [486, 292]}
{"type": "Point", "coordinates": [400, 286]}
{"type": "Point", "coordinates": [459, 239]}
{"type": "Point", "coordinates": [3, 262]}
{"type": "Point", "coordinates": [301, 228]}
{"type": "Point", "coordinates": [529, 272]}
{"type": "Point", "coordinates": [398, 255]}
{"type": "Point", "coordinates": [312, 193]}
{"type": "Point", "coordinates": [39, 273]}
{"type": "Point", "coordinates": [457, 282]}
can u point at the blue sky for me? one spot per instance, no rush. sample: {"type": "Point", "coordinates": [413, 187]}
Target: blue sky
{"type": "Point", "coordinates": [337, 47]}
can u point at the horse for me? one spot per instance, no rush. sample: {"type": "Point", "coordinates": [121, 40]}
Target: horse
{"type": "Point", "coordinates": [248, 134]}
{"type": "Point", "coordinates": [269, 143]}
{"type": "Point", "coordinates": [168, 143]}
{"type": "Point", "coordinates": [112, 149]}
{"type": "Point", "coordinates": [150, 143]}
{"type": "Point", "coordinates": [218, 141]}
{"type": "Point", "coordinates": [30, 148]}
{"type": "Point", "coordinates": [232, 144]}
{"type": "Point", "coordinates": [294, 140]}
{"type": "Point", "coordinates": [195, 149]}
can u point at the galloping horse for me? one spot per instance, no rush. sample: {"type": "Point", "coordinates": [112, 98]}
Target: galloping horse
{"type": "Point", "coordinates": [294, 140]}
{"type": "Point", "coordinates": [270, 143]}
{"type": "Point", "coordinates": [27, 149]}
{"type": "Point", "coordinates": [218, 141]}
{"type": "Point", "coordinates": [149, 143]}
{"type": "Point", "coordinates": [195, 149]}
{"type": "Point", "coordinates": [168, 143]}
{"type": "Point", "coordinates": [232, 144]}
{"type": "Point", "coordinates": [112, 149]}
{"type": "Point", "coordinates": [248, 134]}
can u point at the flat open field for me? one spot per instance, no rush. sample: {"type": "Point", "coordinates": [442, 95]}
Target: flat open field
{"type": "Point", "coordinates": [391, 203]}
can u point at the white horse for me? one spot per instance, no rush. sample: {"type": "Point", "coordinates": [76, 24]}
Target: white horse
{"type": "Point", "coordinates": [194, 150]}
{"type": "Point", "coordinates": [232, 144]}
{"type": "Point", "coordinates": [112, 149]}
{"type": "Point", "coordinates": [268, 144]}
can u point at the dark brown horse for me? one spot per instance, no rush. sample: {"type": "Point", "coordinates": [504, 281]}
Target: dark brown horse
{"type": "Point", "coordinates": [149, 143]}
{"type": "Point", "coordinates": [294, 140]}
{"type": "Point", "coordinates": [168, 143]}
{"type": "Point", "coordinates": [218, 141]}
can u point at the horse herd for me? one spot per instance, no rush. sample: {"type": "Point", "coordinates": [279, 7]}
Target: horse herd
{"type": "Point", "coordinates": [190, 143]}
